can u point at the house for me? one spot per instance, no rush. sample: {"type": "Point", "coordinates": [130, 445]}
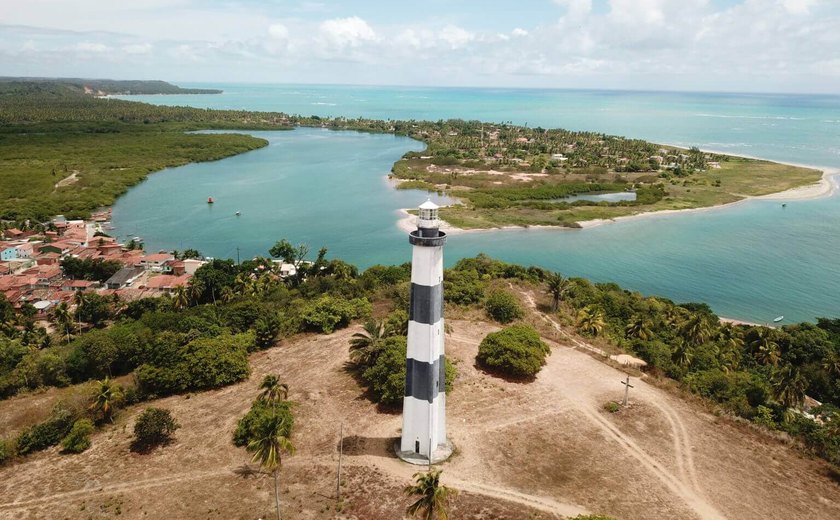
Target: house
{"type": "Point", "coordinates": [14, 234]}
{"type": "Point", "coordinates": [79, 285]}
{"type": "Point", "coordinates": [156, 263]}
{"type": "Point", "coordinates": [125, 277]}
{"type": "Point", "coordinates": [166, 283]}
{"type": "Point", "coordinates": [191, 265]}
{"type": "Point", "coordinates": [714, 165]}
{"type": "Point", "coordinates": [48, 259]}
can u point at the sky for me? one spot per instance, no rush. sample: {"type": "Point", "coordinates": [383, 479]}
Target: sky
{"type": "Point", "coordinates": [693, 45]}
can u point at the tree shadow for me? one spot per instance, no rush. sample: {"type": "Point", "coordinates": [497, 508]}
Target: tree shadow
{"type": "Point", "coordinates": [366, 394]}
{"type": "Point", "coordinates": [143, 448]}
{"type": "Point", "coordinates": [503, 376]}
{"type": "Point", "coordinates": [358, 445]}
{"type": "Point", "coordinates": [247, 471]}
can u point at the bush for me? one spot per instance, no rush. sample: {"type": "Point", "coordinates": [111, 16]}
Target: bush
{"type": "Point", "coordinates": [78, 440]}
{"type": "Point", "coordinates": [515, 351]}
{"type": "Point", "coordinates": [154, 427]}
{"type": "Point", "coordinates": [260, 412]}
{"type": "Point", "coordinates": [201, 364]}
{"type": "Point", "coordinates": [611, 406]}
{"type": "Point", "coordinates": [386, 377]}
{"type": "Point", "coordinates": [503, 307]}
{"type": "Point", "coordinates": [329, 313]}
{"type": "Point", "coordinates": [7, 450]}
{"type": "Point", "coordinates": [48, 433]}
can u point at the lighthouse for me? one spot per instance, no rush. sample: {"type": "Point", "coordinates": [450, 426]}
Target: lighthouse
{"type": "Point", "coordinates": [423, 437]}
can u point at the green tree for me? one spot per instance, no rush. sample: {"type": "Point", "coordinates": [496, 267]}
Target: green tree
{"type": "Point", "coordinates": [789, 386]}
{"type": "Point", "coordinates": [683, 354]}
{"type": "Point", "coordinates": [503, 306]}
{"type": "Point", "coordinates": [639, 327]}
{"type": "Point", "coordinates": [107, 396]}
{"type": "Point", "coordinates": [78, 440]}
{"type": "Point", "coordinates": [181, 298]}
{"type": "Point", "coordinates": [63, 320]}
{"type": "Point", "coordinates": [590, 320]}
{"type": "Point", "coordinates": [696, 329]}
{"type": "Point", "coordinates": [432, 497]}
{"type": "Point", "coordinates": [154, 426]}
{"type": "Point", "coordinates": [272, 390]}
{"type": "Point", "coordinates": [364, 346]}
{"type": "Point", "coordinates": [557, 288]}
{"type": "Point", "coordinates": [764, 348]}
{"type": "Point", "coordinates": [516, 351]}
{"type": "Point", "coordinates": [270, 442]}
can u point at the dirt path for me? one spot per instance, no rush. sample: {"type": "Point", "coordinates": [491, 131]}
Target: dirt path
{"type": "Point", "coordinates": [67, 181]}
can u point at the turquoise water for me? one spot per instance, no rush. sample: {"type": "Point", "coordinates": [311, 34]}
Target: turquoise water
{"type": "Point", "coordinates": [752, 261]}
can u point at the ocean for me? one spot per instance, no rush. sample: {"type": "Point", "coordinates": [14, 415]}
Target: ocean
{"type": "Point", "coordinates": [751, 261]}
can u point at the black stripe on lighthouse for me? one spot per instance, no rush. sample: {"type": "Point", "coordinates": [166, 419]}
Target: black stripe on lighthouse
{"type": "Point", "coordinates": [418, 379]}
{"type": "Point", "coordinates": [426, 304]}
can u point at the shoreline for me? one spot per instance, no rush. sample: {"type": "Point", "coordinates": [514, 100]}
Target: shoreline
{"type": "Point", "coordinates": [824, 187]}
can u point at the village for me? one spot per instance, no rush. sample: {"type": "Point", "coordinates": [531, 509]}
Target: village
{"type": "Point", "coordinates": [31, 270]}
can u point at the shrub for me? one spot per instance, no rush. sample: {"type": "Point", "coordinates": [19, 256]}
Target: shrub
{"type": "Point", "coordinates": [386, 377]}
{"type": "Point", "coordinates": [329, 313]}
{"type": "Point", "coordinates": [611, 406]}
{"type": "Point", "coordinates": [154, 427]}
{"type": "Point", "coordinates": [7, 450]}
{"type": "Point", "coordinates": [462, 287]}
{"type": "Point", "coordinates": [516, 351]}
{"type": "Point", "coordinates": [48, 433]}
{"type": "Point", "coordinates": [78, 440]}
{"type": "Point", "coordinates": [503, 307]}
{"type": "Point", "coordinates": [201, 364]}
{"type": "Point", "coordinates": [260, 412]}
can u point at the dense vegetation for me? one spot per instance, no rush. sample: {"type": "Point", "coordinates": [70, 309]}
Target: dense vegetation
{"type": "Point", "coordinates": [153, 427]}
{"type": "Point", "coordinates": [110, 86]}
{"type": "Point", "coordinates": [516, 351]}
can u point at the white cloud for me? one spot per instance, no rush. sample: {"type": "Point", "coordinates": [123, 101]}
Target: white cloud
{"type": "Point", "coordinates": [519, 32]}
{"type": "Point", "coordinates": [137, 48]}
{"type": "Point", "coordinates": [576, 8]}
{"type": "Point", "coordinates": [91, 47]}
{"type": "Point", "coordinates": [799, 6]}
{"type": "Point", "coordinates": [346, 32]}
{"type": "Point", "coordinates": [278, 31]}
{"type": "Point", "coordinates": [455, 36]}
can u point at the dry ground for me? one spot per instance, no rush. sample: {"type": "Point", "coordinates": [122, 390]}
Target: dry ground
{"type": "Point", "coordinates": [540, 450]}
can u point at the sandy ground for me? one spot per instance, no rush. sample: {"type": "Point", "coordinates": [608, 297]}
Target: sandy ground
{"type": "Point", "coordinates": [70, 179]}
{"type": "Point", "coordinates": [543, 449]}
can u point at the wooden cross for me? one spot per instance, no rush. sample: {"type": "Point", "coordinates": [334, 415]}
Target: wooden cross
{"type": "Point", "coordinates": [627, 387]}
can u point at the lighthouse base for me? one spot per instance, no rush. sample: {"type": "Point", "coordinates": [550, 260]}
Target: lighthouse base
{"type": "Point", "coordinates": [439, 454]}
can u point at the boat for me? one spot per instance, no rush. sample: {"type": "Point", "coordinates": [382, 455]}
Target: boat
{"type": "Point", "coordinates": [784, 205]}
{"type": "Point", "coordinates": [238, 213]}
{"type": "Point", "coordinates": [778, 319]}
{"type": "Point", "coordinates": [210, 200]}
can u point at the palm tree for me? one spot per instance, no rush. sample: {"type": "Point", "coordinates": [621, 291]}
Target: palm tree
{"type": "Point", "coordinates": [765, 350]}
{"type": "Point", "coordinates": [696, 329]}
{"type": "Point", "coordinates": [590, 320]}
{"type": "Point", "coordinates": [228, 294]}
{"type": "Point", "coordinates": [271, 389]}
{"type": "Point", "coordinates": [271, 440]}
{"type": "Point", "coordinates": [433, 497]}
{"type": "Point", "coordinates": [62, 319]}
{"type": "Point", "coordinates": [683, 355]}
{"type": "Point", "coordinates": [789, 386]}
{"type": "Point", "coordinates": [363, 345]}
{"type": "Point", "coordinates": [638, 327]}
{"type": "Point", "coordinates": [674, 315]}
{"type": "Point", "coordinates": [108, 395]}
{"type": "Point", "coordinates": [557, 287]}
{"type": "Point", "coordinates": [731, 341]}
{"type": "Point", "coordinates": [181, 298]}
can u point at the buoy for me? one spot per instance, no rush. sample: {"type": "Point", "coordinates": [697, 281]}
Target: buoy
{"type": "Point", "coordinates": [210, 200]}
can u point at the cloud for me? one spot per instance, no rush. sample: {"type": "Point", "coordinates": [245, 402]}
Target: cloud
{"type": "Point", "coordinates": [519, 32]}
{"type": "Point", "coordinates": [346, 32]}
{"type": "Point", "coordinates": [575, 8]}
{"type": "Point", "coordinates": [455, 37]}
{"type": "Point", "coordinates": [278, 31]}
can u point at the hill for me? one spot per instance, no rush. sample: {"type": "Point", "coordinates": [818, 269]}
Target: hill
{"type": "Point", "coordinates": [101, 87]}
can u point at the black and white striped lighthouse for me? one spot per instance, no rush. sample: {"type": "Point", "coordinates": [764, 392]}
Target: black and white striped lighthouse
{"type": "Point", "coordinates": [424, 403]}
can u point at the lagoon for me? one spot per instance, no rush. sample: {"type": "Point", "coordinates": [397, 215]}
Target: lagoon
{"type": "Point", "coordinates": [752, 261]}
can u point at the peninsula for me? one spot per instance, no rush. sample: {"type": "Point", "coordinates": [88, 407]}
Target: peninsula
{"type": "Point", "coordinates": [66, 151]}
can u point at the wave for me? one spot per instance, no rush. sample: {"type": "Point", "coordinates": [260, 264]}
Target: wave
{"type": "Point", "coordinates": [322, 103]}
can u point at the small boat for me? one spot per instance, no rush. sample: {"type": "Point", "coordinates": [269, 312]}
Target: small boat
{"type": "Point", "coordinates": [784, 205]}
{"type": "Point", "coordinates": [778, 319]}
{"type": "Point", "coordinates": [210, 200]}
{"type": "Point", "coordinates": [238, 213]}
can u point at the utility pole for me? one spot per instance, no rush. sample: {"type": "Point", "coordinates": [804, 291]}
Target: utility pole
{"type": "Point", "coordinates": [340, 453]}
{"type": "Point", "coordinates": [627, 387]}
{"type": "Point", "coordinates": [237, 256]}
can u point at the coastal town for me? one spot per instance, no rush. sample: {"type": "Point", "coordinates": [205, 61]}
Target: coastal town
{"type": "Point", "coordinates": [34, 265]}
